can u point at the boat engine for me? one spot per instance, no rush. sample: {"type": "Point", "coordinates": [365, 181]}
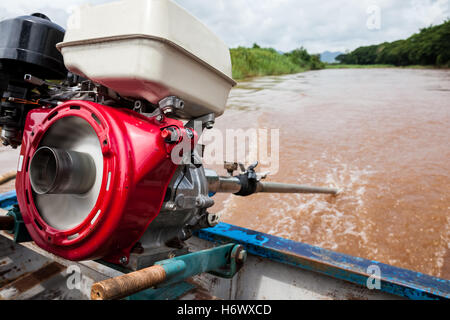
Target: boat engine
{"type": "Point", "coordinates": [110, 167]}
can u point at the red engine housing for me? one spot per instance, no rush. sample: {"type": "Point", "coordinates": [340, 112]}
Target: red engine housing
{"type": "Point", "coordinates": [137, 169]}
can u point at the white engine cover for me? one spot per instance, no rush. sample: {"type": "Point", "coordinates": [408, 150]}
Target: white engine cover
{"type": "Point", "coordinates": [150, 49]}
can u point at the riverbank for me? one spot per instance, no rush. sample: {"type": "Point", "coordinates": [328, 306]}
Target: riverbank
{"type": "Point", "coordinates": [248, 65]}
{"type": "Point", "coordinates": [378, 66]}
{"type": "Point", "coordinates": [358, 66]}
{"type": "Point", "coordinates": [257, 62]}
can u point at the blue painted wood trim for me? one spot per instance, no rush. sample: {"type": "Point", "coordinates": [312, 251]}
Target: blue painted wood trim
{"type": "Point", "coordinates": [7, 200]}
{"type": "Point", "coordinates": [401, 282]}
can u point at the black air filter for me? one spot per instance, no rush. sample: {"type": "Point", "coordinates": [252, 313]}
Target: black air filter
{"type": "Point", "coordinates": [28, 45]}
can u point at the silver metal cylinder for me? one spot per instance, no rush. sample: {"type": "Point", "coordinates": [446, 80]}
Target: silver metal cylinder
{"type": "Point", "coordinates": [222, 184]}
{"type": "Point", "coordinates": [219, 184]}
{"type": "Point", "coordinates": [58, 171]}
{"type": "Point", "coordinates": [272, 187]}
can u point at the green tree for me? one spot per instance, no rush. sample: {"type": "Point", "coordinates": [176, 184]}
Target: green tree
{"type": "Point", "coordinates": [431, 46]}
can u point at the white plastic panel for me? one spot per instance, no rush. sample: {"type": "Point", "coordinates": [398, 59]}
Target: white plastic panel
{"type": "Point", "coordinates": [150, 49]}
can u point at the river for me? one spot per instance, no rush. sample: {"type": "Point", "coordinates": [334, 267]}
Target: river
{"type": "Point", "coordinates": [382, 135]}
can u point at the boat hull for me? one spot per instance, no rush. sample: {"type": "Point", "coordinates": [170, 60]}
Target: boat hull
{"type": "Point", "coordinates": [276, 269]}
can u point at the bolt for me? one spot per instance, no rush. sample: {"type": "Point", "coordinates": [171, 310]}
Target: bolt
{"type": "Point", "coordinates": [168, 110]}
{"type": "Point", "coordinates": [213, 220]}
{"type": "Point", "coordinates": [123, 260]}
{"type": "Point", "coordinates": [137, 105]}
{"type": "Point", "coordinates": [242, 256]}
{"type": "Point", "coordinates": [170, 206]}
{"type": "Point", "coordinates": [189, 133]}
{"type": "Point", "coordinates": [209, 125]}
{"type": "Point", "coordinates": [159, 118]}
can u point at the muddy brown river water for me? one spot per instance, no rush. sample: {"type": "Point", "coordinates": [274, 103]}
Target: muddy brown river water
{"type": "Point", "coordinates": [382, 135]}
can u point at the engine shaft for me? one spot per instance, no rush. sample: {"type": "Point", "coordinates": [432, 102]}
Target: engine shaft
{"type": "Point", "coordinates": [273, 187]}
{"type": "Point", "coordinates": [234, 185]}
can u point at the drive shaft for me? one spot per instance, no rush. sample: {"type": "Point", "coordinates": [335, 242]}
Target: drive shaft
{"type": "Point", "coordinates": [273, 187]}
{"type": "Point", "coordinates": [236, 185]}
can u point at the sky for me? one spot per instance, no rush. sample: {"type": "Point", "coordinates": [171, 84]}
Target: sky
{"type": "Point", "coordinates": [317, 25]}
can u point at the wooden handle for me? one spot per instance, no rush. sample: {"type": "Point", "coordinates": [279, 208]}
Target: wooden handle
{"type": "Point", "coordinates": [128, 284]}
{"type": "Point", "coordinates": [4, 178]}
{"type": "Point", "coordinates": [6, 223]}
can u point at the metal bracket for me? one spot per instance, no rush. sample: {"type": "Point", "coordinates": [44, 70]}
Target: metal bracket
{"type": "Point", "coordinates": [171, 105]}
{"type": "Point", "coordinates": [237, 258]}
{"type": "Point", "coordinates": [224, 261]}
{"type": "Point", "coordinates": [176, 286]}
{"type": "Point", "coordinates": [233, 166]}
{"type": "Point", "coordinates": [207, 121]}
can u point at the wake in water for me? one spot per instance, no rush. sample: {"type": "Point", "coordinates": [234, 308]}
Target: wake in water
{"type": "Point", "coordinates": [315, 219]}
{"type": "Point", "coordinates": [381, 136]}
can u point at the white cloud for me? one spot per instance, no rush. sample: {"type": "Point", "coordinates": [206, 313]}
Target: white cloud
{"type": "Point", "coordinates": [317, 25]}
{"type": "Point", "coordinates": [334, 25]}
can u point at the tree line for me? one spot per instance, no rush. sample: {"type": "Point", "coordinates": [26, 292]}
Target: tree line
{"type": "Point", "coordinates": [431, 46]}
